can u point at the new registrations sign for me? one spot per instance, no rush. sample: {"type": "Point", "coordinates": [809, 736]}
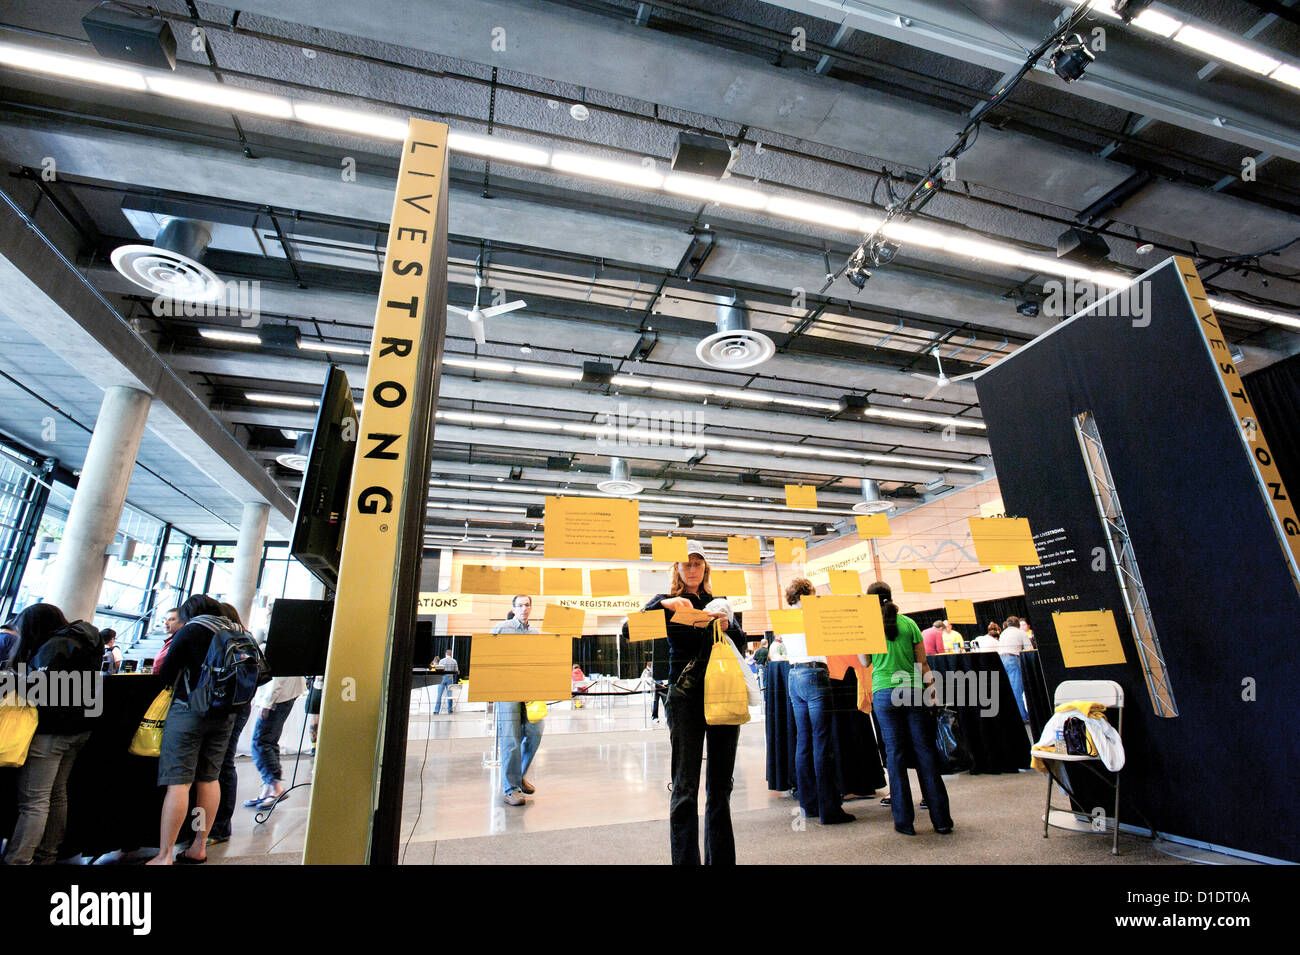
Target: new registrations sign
{"type": "Point", "coordinates": [377, 592]}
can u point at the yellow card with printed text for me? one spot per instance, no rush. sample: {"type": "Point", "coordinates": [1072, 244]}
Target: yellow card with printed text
{"type": "Point", "coordinates": [872, 525]}
{"type": "Point", "coordinates": [743, 550]}
{"type": "Point", "coordinates": [790, 550]}
{"type": "Point", "coordinates": [1088, 638]}
{"type": "Point", "coordinates": [562, 581]}
{"type": "Point", "coordinates": [915, 581]}
{"type": "Point", "coordinates": [728, 583]}
{"type": "Point", "coordinates": [600, 528]}
{"type": "Point", "coordinates": [841, 625]}
{"type": "Point", "coordinates": [610, 583]}
{"type": "Point", "coordinates": [668, 549]}
{"type": "Point", "coordinates": [1003, 540]}
{"type": "Point", "coordinates": [959, 611]}
{"type": "Point", "coordinates": [650, 625]}
{"type": "Point", "coordinates": [845, 583]}
{"type": "Point", "coordinates": [801, 496]}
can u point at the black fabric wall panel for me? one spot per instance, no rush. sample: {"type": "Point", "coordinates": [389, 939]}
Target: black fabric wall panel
{"type": "Point", "coordinates": [1222, 597]}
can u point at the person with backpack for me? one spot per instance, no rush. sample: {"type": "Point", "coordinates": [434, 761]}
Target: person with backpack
{"type": "Point", "coordinates": [47, 642]}
{"type": "Point", "coordinates": [112, 662]}
{"type": "Point", "coordinates": [214, 667]}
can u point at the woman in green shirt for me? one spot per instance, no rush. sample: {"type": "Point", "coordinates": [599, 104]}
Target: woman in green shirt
{"type": "Point", "coordinates": [897, 679]}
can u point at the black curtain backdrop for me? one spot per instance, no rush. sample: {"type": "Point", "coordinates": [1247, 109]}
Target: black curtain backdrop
{"type": "Point", "coordinates": [1275, 393]}
{"type": "Point", "coordinates": [986, 611]}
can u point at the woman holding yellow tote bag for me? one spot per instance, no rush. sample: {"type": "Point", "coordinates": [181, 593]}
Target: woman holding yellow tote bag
{"type": "Point", "coordinates": [689, 652]}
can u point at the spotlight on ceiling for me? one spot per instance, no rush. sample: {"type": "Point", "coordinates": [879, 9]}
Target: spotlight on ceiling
{"type": "Point", "coordinates": [735, 344]}
{"type": "Point", "coordinates": [1126, 10]}
{"type": "Point", "coordinates": [620, 481]}
{"type": "Point", "coordinates": [872, 502]}
{"type": "Point", "coordinates": [170, 267]}
{"type": "Point", "coordinates": [1071, 58]}
{"type": "Point", "coordinates": [1028, 307]}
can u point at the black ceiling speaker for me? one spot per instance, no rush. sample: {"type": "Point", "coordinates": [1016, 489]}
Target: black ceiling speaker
{"type": "Point", "coordinates": [557, 462]}
{"type": "Point", "coordinates": [685, 522]}
{"type": "Point", "coordinates": [144, 41]}
{"type": "Point", "coordinates": [701, 154]}
{"type": "Point", "coordinates": [821, 530]}
{"type": "Point", "coordinates": [597, 372]}
{"type": "Point", "coordinates": [536, 512]}
{"type": "Point", "coordinates": [750, 477]}
{"type": "Point", "coordinates": [1081, 246]}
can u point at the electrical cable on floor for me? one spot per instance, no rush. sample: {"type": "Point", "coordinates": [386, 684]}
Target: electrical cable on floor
{"type": "Point", "coordinates": [424, 761]}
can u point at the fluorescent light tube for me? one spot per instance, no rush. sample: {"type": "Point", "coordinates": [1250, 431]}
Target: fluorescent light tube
{"type": "Point", "coordinates": [351, 121]}
{"type": "Point", "coordinates": [490, 147]}
{"type": "Point", "coordinates": [816, 213]}
{"type": "Point", "coordinates": [1225, 50]}
{"type": "Point", "coordinates": [223, 95]}
{"type": "Point", "coordinates": [336, 349]}
{"type": "Point", "coordinates": [1153, 21]}
{"type": "Point", "coordinates": [627, 173]}
{"type": "Point", "coordinates": [710, 190]}
{"type": "Point", "coordinates": [294, 401]}
{"type": "Point", "coordinates": [240, 338]}
{"type": "Point", "coordinates": [70, 67]}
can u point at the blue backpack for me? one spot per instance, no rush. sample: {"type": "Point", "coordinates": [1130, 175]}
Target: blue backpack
{"type": "Point", "coordinates": [232, 671]}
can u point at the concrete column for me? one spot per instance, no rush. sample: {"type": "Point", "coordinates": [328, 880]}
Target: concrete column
{"type": "Point", "coordinates": [248, 557]}
{"type": "Point", "coordinates": [97, 504]}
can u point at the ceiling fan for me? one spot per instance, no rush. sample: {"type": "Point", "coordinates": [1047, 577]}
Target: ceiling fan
{"type": "Point", "coordinates": [942, 381]}
{"type": "Point", "coordinates": [476, 314]}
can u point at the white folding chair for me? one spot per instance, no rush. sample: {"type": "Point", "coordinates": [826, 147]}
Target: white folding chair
{"type": "Point", "coordinates": [1111, 695]}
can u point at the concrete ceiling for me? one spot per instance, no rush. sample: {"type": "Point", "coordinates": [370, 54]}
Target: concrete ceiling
{"type": "Point", "coordinates": [872, 101]}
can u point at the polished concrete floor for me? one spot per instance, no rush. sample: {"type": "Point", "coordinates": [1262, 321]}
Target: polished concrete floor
{"type": "Point", "coordinates": [601, 776]}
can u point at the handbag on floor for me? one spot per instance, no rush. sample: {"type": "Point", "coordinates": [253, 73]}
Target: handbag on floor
{"type": "Point", "coordinates": [147, 740]}
{"type": "Point", "coordinates": [954, 754]}
{"type": "Point", "coordinates": [726, 697]}
{"type": "Point", "coordinates": [17, 727]}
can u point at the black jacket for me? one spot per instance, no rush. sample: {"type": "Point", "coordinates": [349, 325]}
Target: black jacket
{"type": "Point", "coordinates": [71, 679]}
{"type": "Point", "coordinates": [687, 643]}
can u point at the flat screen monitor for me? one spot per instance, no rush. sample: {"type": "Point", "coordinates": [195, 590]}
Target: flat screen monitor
{"type": "Point", "coordinates": [323, 501]}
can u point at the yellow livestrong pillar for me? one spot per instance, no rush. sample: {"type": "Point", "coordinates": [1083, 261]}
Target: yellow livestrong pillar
{"type": "Point", "coordinates": [383, 532]}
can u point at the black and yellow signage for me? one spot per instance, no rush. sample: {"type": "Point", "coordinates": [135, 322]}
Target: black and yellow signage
{"type": "Point", "coordinates": [1270, 479]}
{"type": "Point", "coordinates": [378, 573]}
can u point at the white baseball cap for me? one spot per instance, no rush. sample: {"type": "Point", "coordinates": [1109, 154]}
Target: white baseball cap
{"type": "Point", "coordinates": [693, 547]}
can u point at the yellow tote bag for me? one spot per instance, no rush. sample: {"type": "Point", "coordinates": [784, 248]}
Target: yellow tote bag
{"type": "Point", "coordinates": [17, 727]}
{"type": "Point", "coordinates": [536, 711]}
{"type": "Point", "coordinates": [726, 701]}
{"type": "Point", "coordinates": [147, 740]}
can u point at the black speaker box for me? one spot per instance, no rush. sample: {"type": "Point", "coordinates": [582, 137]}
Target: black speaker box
{"type": "Point", "coordinates": [702, 155]}
{"type": "Point", "coordinates": [144, 41]}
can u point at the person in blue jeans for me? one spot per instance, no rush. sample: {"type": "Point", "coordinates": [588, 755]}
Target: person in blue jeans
{"type": "Point", "coordinates": [448, 681]}
{"type": "Point", "coordinates": [517, 737]}
{"type": "Point", "coordinates": [273, 704]}
{"type": "Point", "coordinates": [898, 677]}
{"type": "Point", "coordinates": [810, 701]}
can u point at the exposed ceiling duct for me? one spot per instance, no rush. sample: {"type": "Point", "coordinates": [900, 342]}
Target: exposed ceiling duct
{"type": "Point", "coordinates": [735, 344]}
{"type": "Point", "coordinates": [171, 265]}
{"type": "Point", "coordinates": [296, 460]}
{"type": "Point", "coordinates": [872, 502]}
{"type": "Point", "coordinates": [620, 481]}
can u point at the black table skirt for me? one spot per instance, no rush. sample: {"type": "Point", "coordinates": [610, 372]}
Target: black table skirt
{"type": "Point", "coordinates": [114, 801]}
{"type": "Point", "coordinates": [857, 756]}
{"type": "Point", "coordinates": [1036, 693]}
{"type": "Point", "coordinates": [998, 743]}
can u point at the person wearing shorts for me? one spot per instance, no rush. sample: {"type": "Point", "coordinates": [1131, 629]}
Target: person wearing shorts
{"type": "Point", "coordinates": [193, 747]}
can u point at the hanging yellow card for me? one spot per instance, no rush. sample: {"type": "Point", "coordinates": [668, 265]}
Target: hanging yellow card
{"type": "Point", "coordinates": [845, 583]}
{"type": "Point", "coordinates": [727, 583]}
{"type": "Point", "coordinates": [786, 621]}
{"type": "Point", "coordinates": [562, 581]}
{"type": "Point", "coordinates": [518, 667]}
{"type": "Point", "coordinates": [597, 528]}
{"type": "Point", "coordinates": [521, 580]}
{"type": "Point", "coordinates": [959, 611]}
{"type": "Point", "coordinates": [790, 550]}
{"type": "Point", "coordinates": [840, 625]}
{"type": "Point", "coordinates": [565, 620]}
{"type": "Point", "coordinates": [801, 496]}
{"type": "Point", "coordinates": [668, 549]}
{"type": "Point", "coordinates": [610, 583]}
{"type": "Point", "coordinates": [743, 550]}
{"type": "Point", "coordinates": [480, 579]}
{"type": "Point", "coordinates": [872, 525]}
{"type": "Point", "coordinates": [1003, 540]}
{"type": "Point", "coordinates": [651, 625]}
{"type": "Point", "coordinates": [1088, 638]}
{"type": "Point", "coordinates": [915, 581]}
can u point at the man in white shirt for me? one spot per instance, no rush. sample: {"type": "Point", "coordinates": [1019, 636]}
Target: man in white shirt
{"type": "Point", "coordinates": [1010, 644]}
{"type": "Point", "coordinates": [1013, 639]}
{"type": "Point", "coordinates": [451, 668]}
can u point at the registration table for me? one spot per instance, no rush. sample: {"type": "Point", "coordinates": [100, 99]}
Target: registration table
{"type": "Point", "coordinates": [998, 742]}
